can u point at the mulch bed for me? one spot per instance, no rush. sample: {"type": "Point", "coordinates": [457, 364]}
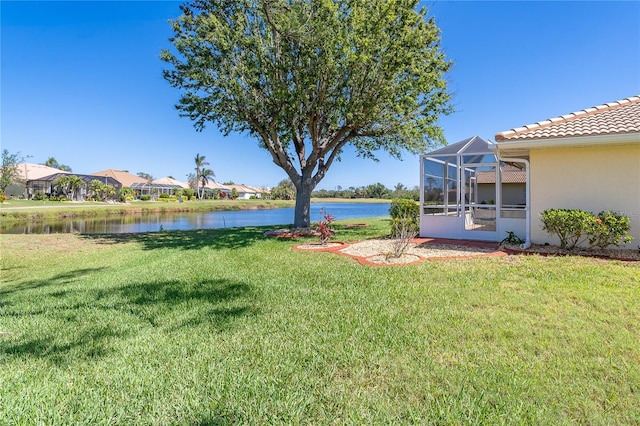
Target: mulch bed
{"type": "Point", "coordinates": [376, 252]}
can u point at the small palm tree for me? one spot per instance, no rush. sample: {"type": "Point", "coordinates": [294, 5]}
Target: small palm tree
{"type": "Point", "coordinates": [62, 184]}
{"type": "Point", "coordinates": [75, 183]}
{"type": "Point", "coordinates": [200, 163]}
{"type": "Point", "coordinates": [69, 185]}
{"type": "Point", "coordinates": [96, 187]}
{"type": "Point", "coordinates": [205, 177]}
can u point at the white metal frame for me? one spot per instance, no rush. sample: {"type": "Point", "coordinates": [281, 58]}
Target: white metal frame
{"type": "Point", "coordinates": [454, 226]}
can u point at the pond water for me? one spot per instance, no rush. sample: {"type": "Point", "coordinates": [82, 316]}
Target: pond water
{"type": "Point", "coordinates": [186, 221]}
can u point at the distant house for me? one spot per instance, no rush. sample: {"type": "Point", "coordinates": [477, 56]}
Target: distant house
{"type": "Point", "coordinates": [213, 186]}
{"type": "Point", "coordinates": [47, 184]}
{"type": "Point", "coordinates": [165, 185]}
{"type": "Point", "coordinates": [246, 192]}
{"type": "Point", "coordinates": [169, 181]}
{"type": "Point", "coordinates": [125, 178]}
{"type": "Point", "coordinates": [587, 160]}
{"type": "Point", "coordinates": [142, 186]}
{"type": "Point", "coordinates": [26, 172]}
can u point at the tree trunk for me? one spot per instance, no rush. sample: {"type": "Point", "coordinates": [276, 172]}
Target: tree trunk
{"type": "Point", "coordinates": [302, 216]}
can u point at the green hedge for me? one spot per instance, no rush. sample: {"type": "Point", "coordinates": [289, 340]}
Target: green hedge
{"type": "Point", "coordinates": [574, 226]}
{"type": "Point", "coordinates": [404, 216]}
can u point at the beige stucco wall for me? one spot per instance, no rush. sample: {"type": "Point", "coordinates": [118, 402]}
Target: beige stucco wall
{"type": "Point", "coordinates": [587, 178]}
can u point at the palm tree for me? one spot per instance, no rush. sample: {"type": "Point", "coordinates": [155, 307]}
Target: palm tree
{"type": "Point", "coordinates": [200, 162]}
{"type": "Point", "coordinates": [96, 187]}
{"type": "Point", "coordinates": [69, 185]}
{"type": "Point", "coordinates": [75, 183]}
{"type": "Point", "coordinates": [205, 176]}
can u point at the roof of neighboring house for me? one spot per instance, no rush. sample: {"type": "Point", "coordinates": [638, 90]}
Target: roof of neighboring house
{"type": "Point", "coordinates": [215, 185]}
{"type": "Point", "coordinates": [262, 189]}
{"type": "Point", "coordinates": [30, 171]}
{"type": "Point", "coordinates": [509, 173]}
{"type": "Point", "coordinates": [246, 189]}
{"type": "Point", "coordinates": [125, 178]}
{"type": "Point", "coordinates": [86, 178]}
{"type": "Point", "coordinates": [170, 181]}
{"type": "Point", "coordinates": [619, 117]}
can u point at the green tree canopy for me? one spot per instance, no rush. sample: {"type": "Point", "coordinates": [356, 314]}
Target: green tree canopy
{"type": "Point", "coordinates": [377, 190]}
{"type": "Point", "coordinates": [51, 162]}
{"type": "Point", "coordinates": [69, 185]}
{"type": "Point", "coordinates": [307, 77]}
{"type": "Point", "coordinates": [9, 172]}
{"type": "Point", "coordinates": [144, 175]}
{"type": "Point", "coordinates": [284, 191]}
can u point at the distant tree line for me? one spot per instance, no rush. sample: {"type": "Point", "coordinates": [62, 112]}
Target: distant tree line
{"type": "Point", "coordinates": [286, 191]}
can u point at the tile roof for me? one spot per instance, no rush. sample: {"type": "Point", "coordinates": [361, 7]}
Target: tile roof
{"type": "Point", "coordinates": [125, 178]}
{"type": "Point", "coordinates": [32, 171]}
{"type": "Point", "coordinates": [170, 181]}
{"type": "Point", "coordinates": [617, 117]}
{"type": "Point", "coordinates": [245, 189]}
{"type": "Point", "coordinates": [215, 185]}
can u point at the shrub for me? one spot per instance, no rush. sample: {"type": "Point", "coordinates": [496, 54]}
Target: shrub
{"type": "Point", "coordinates": [2, 197]}
{"type": "Point", "coordinates": [58, 198]}
{"type": "Point", "coordinates": [404, 217]}
{"type": "Point", "coordinates": [145, 197]}
{"type": "Point", "coordinates": [404, 224]}
{"type": "Point", "coordinates": [324, 226]}
{"type": "Point", "coordinates": [167, 199]}
{"type": "Point", "coordinates": [512, 238]}
{"type": "Point", "coordinates": [39, 195]}
{"type": "Point", "coordinates": [163, 195]}
{"type": "Point", "coordinates": [188, 193]}
{"type": "Point", "coordinates": [402, 234]}
{"type": "Point", "coordinates": [609, 228]}
{"type": "Point", "coordinates": [567, 224]}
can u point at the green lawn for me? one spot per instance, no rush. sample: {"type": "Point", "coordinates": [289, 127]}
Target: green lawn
{"type": "Point", "coordinates": [227, 326]}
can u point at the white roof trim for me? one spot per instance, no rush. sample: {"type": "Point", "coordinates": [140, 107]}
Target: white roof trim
{"type": "Point", "coordinates": [599, 140]}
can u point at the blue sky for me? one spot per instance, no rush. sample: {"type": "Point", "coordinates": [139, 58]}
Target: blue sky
{"type": "Point", "coordinates": [81, 81]}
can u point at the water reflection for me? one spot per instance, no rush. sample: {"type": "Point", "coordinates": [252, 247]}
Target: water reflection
{"type": "Point", "coordinates": [185, 221]}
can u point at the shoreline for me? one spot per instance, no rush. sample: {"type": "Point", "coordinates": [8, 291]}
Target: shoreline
{"type": "Point", "coordinates": [22, 211]}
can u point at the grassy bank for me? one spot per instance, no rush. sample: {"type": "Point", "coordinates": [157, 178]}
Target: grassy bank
{"type": "Point", "coordinates": [227, 326]}
{"type": "Point", "coordinates": [20, 211]}
{"type": "Point", "coordinates": [17, 211]}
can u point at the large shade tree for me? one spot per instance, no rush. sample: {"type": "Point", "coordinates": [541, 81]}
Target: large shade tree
{"type": "Point", "coordinates": [308, 77]}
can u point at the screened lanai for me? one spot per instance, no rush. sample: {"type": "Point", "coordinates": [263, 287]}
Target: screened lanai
{"type": "Point", "coordinates": [151, 188]}
{"type": "Point", "coordinates": [468, 193]}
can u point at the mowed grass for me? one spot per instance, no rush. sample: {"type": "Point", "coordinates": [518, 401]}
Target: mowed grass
{"type": "Point", "coordinates": [228, 327]}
